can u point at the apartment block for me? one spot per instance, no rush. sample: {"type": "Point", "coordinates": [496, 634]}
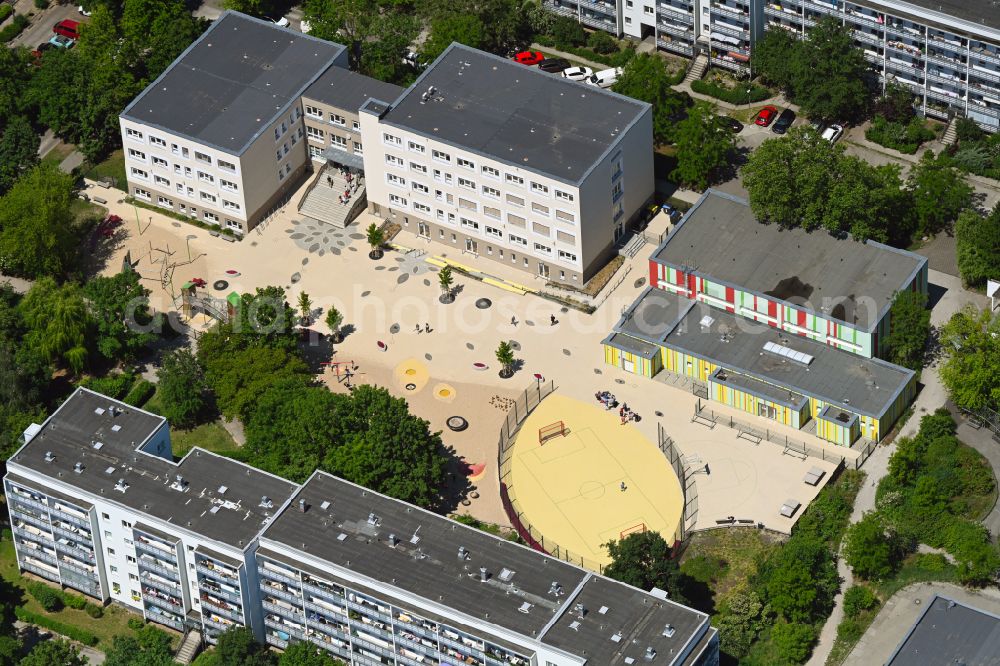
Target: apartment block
{"type": "Point", "coordinates": [219, 136]}
{"type": "Point", "coordinates": [498, 160]}
{"type": "Point", "coordinates": [98, 504]}
{"type": "Point", "coordinates": [946, 51]}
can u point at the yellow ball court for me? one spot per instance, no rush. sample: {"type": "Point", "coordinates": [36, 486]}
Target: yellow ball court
{"type": "Point", "coordinates": [580, 478]}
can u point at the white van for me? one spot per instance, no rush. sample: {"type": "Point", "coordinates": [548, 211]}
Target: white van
{"type": "Point", "coordinates": [605, 78]}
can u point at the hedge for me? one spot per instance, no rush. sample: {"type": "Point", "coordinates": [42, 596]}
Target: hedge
{"type": "Point", "coordinates": [115, 385]}
{"type": "Point", "coordinates": [904, 138]}
{"type": "Point", "coordinates": [737, 95]}
{"type": "Point", "coordinates": [226, 231]}
{"type": "Point", "coordinates": [47, 598]}
{"type": "Point", "coordinates": [614, 60]}
{"type": "Point", "coordinates": [5, 11]}
{"type": "Point", "coordinates": [141, 391]}
{"type": "Point", "coordinates": [69, 631]}
{"type": "Point", "coordinates": [15, 28]}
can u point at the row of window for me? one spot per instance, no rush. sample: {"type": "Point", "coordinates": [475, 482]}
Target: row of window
{"type": "Point", "coordinates": [166, 202]}
{"type": "Point", "coordinates": [316, 134]}
{"type": "Point", "coordinates": [279, 130]}
{"type": "Point", "coordinates": [180, 170]}
{"type": "Point", "coordinates": [281, 152]}
{"type": "Point", "coordinates": [423, 230]}
{"type": "Point", "coordinates": [486, 170]}
{"type": "Point", "coordinates": [184, 190]}
{"type": "Point", "coordinates": [335, 118]}
{"type": "Point", "coordinates": [176, 149]}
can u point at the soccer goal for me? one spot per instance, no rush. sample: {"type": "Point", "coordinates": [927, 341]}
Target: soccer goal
{"type": "Point", "coordinates": [641, 527]}
{"type": "Point", "coordinates": [545, 433]}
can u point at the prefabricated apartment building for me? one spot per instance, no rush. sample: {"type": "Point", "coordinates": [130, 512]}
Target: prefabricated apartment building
{"type": "Point", "coordinates": [946, 51]}
{"type": "Point", "coordinates": [481, 155]}
{"type": "Point", "coordinates": [98, 504]}
{"type": "Point", "coordinates": [782, 323]}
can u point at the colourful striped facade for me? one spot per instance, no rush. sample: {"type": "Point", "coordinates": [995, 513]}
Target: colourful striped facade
{"type": "Point", "coordinates": [633, 363]}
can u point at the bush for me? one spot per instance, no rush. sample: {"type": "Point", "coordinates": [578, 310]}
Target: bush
{"type": "Point", "coordinates": [568, 32]}
{"type": "Point", "coordinates": [858, 598]}
{"type": "Point", "coordinates": [74, 601]}
{"type": "Point", "coordinates": [794, 641]}
{"type": "Point", "coordinates": [5, 12]}
{"type": "Point", "coordinates": [15, 28]}
{"type": "Point", "coordinates": [74, 633]}
{"type": "Point", "coordinates": [115, 385]}
{"type": "Point", "coordinates": [737, 95]}
{"type": "Point", "coordinates": [904, 138]}
{"type": "Point", "coordinates": [41, 4]}
{"type": "Point", "coordinates": [135, 623]}
{"type": "Point", "coordinates": [850, 630]}
{"type": "Point", "coordinates": [94, 611]}
{"type": "Point", "coordinates": [602, 42]}
{"type": "Point", "coordinates": [966, 129]}
{"type": "Point", "coordinates": [140, 393]}
{"type": "Point", "coordinates": [48, 599]}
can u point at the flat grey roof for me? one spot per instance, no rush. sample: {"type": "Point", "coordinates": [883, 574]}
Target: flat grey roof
{"type": "Point", "coordinates": [851, 382]}
{"type": "Point", "coordinates": [721, 240]}
{"type": "Point", "coordinates": [432, 569]}
{"type": "Point", "coordinates": [343, 89]}
{"type": "Point", "coordinates": [232, 82]}
{"type": "Point", "coordinates": [233, 517]}
{"type": "Point", "coordinates": [949, 632]}
{"type": "Point", "coordinates": [515, 114]}
{"type": "Point", "coordinates": [653, 315]}
{"type": "Point", "coordinates": [761, 389]}
{"type": "Point", "coordinates": [627, 343]}
{"type": "Point", "coordinates": [980, 12]}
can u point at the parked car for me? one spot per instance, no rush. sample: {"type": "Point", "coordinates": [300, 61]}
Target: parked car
{"type": "Point", "coordinates": [783, 122]}
{"type": "Point", "coordinates": [817, 125]}
{"type": "Point", "coordinates": [83, 12]}
{"type": "Point", "coordinates": [62, 42]}
{"type": "Point", "coordinates": [605, 78]}
{"type": "Point", "coordinates": [732, 124]}
{"type": "Point", "coordinates": [67, 28]}
{"type": "Point", "coordinates": [553, 65]}
{"type": "Point", "coordinates": [529, 58]}
{"type": "Point", "coordinates": [832, 133]}
{"type": "Point", "coordinates": [577, 73]}
{"type": "Point", "coordinates": [765, 116]}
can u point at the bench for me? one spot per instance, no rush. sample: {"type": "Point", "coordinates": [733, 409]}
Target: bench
{"type": "Point", "coordinates": [789, 508]}
{"type": "Point", "coordinates": [99, 200]}
{"type": "Point", "coordinates": [813, 476]}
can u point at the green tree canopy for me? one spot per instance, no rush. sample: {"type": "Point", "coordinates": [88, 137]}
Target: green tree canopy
{"type": "Point", "coordinates": [57, 322]}
{"type": "Point", "coordinates": [645, 560]}
{"type": "Point", "coordinates": [119, 307]}
{"type": "Point", "coordinates": [239, 377]}
{"type": "Point", "coordinates": [909, 326]}
{"type": "Point", "coordinates": [793, 640]}
{"type": "Point", "coordinates": [182, 389]}
{"type": "Point", "coordinates": [978, 241]}
{"type": "Point", "coordinates": [56, 652]}
{"type": "Point", "coordinates": [971, 344]}
{"type": "Point", "coordinates": [773, 58]}
{"type": "Point", "coordinates": [304, 653]}
{"type": "Point", "coordinates": [18, 150]}
{"type": "Point", "coordinates": [871, 548]}
{"type": "Point", "coordinates": [645, 78]}
{"type": "Point", "coordinates": [703, 145]}
{"type": "Point", "coordinates": [465, 29]}
{"type": "Point", "coordinates": [237, 647]}
{"type": "Point", "coordinates": [129, 651]}
{"type": "Point", "coordinates": [939, 192]}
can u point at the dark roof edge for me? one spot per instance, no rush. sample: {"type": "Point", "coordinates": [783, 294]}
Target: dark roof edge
{"type": "Point", "coordinates": [923, 614]}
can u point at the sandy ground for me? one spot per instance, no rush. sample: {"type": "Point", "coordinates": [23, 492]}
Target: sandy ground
{"type": "Point", "coordinates": [386, 300]}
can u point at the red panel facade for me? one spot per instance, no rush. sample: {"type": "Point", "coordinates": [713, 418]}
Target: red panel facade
{"type": "Point", "coordinates": [654, 274]}
{"type": "Point", "coordinates": [772, 311]}
{"type": "Point", "coordinates": [731, 299]}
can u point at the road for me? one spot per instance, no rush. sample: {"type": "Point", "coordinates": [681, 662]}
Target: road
{"type": "Point", "coordinates": [40, 30]}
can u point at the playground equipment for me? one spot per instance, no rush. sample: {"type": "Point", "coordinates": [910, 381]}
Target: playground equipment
{"type": "Point", "coordinates": [545, 433]}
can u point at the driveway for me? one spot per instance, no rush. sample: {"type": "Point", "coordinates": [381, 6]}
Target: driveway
{"type": "Point", "coordinates": [982, 440]}
{"type": "Point", "coordinates": [40, 28]}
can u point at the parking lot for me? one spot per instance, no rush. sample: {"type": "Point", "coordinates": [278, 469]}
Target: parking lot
{"type": "Point", "coordinates": [40, 29]}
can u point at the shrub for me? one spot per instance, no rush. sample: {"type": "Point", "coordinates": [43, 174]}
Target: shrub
{"type": "Point", "coordinates": [794, 641]}
{"type": "Point", "coordinates": [568, 32]}
{"type": "Point", "coordinates": [737, 95]}
{"type": "Point", "coordinates": [74, 633]}
{"type": "Point", "coordinates": [906, 138]}
{"type": "Point", "coordinates": [602, 42]}
{"type": "Point", "coordinates": [5, 12]}
{"type": "Point", "coordinates": [858, 598]}
{"type": "Point", "coordinates": [114, 385]}
{"type": "Point", "coordinates": [94, 611]}
{"type": "Point", "coordinates": [135, 624]}
{"type": "Point", "coordinates": [48, 599]}
{"type": "Point", "coordinates": [15, 28]}
{"type": "Point", "coordinates": [141, 392]}
{"type": "Point", "coordinates": [967, 129]}
{"type": "Point", "coordinates": [850, 630]}
{"type": "Point", "coordinates": [41, 4]}
{"type": "Point", "coordinates": [74, 601]}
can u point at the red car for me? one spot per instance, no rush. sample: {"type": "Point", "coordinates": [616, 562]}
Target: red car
{"type": "Point", "coordinates": [530, 58]}
{"type": "Point", "coordinates": [765, 116]}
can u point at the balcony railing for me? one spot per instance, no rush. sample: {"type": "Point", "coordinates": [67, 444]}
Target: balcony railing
{"type": "Point", "coordinates": [597, 7]}
{"type": "Point", "coordinates": [561, 10]}
{"type": "Point", "coordinates": [216, 572]}
{"type": "Point", "coordinates": [219, 592]}
{"type": "Point", "coordinates": [986, 54]}
{"type": "Point", "coordinates": [72, 515]}
{"type": "Point", "coordinates": [676, 13]}
{"type": "Point", "coordinates": [675, 46]}
{"type": "Point", "coordinates": [600, 23]}
{"type": "Point", "coordinates": [172, 604]}
{"type": "Point", "coordinates": [152, 564]}
{"type": "Point", "coordinates": [162, 585]}
{"type": "Point", "coordinates": [732, 11]}
{"type": "Point", "coordinates": [38, 553]}
{"type": "Point", "coordinates": [684, 32]}
{"type": "Point", "coordinates": [155, 551]}
{"type": "Point", "coordinates": [78, 568]}
{"type": "Point", "coordinates": [79, 553]}
{"type": "Point", "coordinates": [165, 620]}
{"type": "Point", "coordinates": [75, 534]}
{"type": "Point", "coordinates": [39, 571]}
{"type": "Point", "coordinates": [291, 578]}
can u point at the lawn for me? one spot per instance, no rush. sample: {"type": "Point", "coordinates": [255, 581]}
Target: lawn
{"type": "Point", "coordinates": [210, 436]}
{"type": "Point", "coordinates": [58, 153]}
{"type": "Point", "coordinates": [112, 167]}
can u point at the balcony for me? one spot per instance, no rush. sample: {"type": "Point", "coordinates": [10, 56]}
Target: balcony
{"type": "Point", "coordinates": [161, 600]}
{"type": "Point", "coordinates": [74, 516]}
{"type": "Point", "coordinates": [28, 501]}
{"type": "Point", "coordinates": [780, 13]}
{"type": "Point", "coordinates": [77, 552]}
{"type": "Point", "coordinates": [155, 615]}
{"type": "Point", "coordinates": [988, 76]}
{"type": "Point", "coordinates": [168, 587]}
{"type": "Point", "coordinates": [152, 564]}
{"type": "Point", "coordinates": [227, 611]}
{"type": "Point", "coordinates": [340, 648]}
{"type": "Point", "coordinates": [285, 575]}
{"type": "Point", "coordinates": [217, 626]}
{"type": "Point", "coordinates": [684, 14]}
{"type": "Point", "coordinates": [821, 8]}
{"type": "Point", "coordinates": [861, 16]}
{"type": "Point", "coordinates": [675, 46]}
{"type": "Point", "coordinates": [867, 37]}
{"type": "Point", "coordinates": [88, 587]}
{"type": "Point", "coordinates": [950, 79]}
{"type": "Point", "coordinates": [288, 594]}
{"type": "Point", "coordinates": [941, 57]}
{"type": "Point", "coordinates": [155, 548]}
{"type": "Point", "coordinates": [216, 571]}
{"type": "Point", "coordinates": [950, 100]}
{"type": "Point", "coordinates": [43, 571]}
{"type": "Point", "coordinates": [986, 54]}
{"type": "Point", "coordinates": [275, 641]}
{"type": "Point", "coordinates": [730, 30]}
{"type": "Point", "coordinates": [28, 508]}
{"type": "Point", "coordinates": [730, 10]}
{"type": "Point", "coordinates": [562, 10]}
{"type": "Point", "coordinates": [599, 7]}
{"type": "Point", "coordinates": [599, 23]}
{"type": "Point", "coordinates": [286, 610]}
{"type": "Point", "coordinates": [220, 592]}
{"type": "Point", "coordinates": [29, 548]}
{"type": "Point", "coordinates": [31, 532]}
{"type": "Point", "coordinates": [901, 31]}
{"type": "Point", "coordinates": [78, 567]}
{"type": "Point", "coordinates": [684, 32]}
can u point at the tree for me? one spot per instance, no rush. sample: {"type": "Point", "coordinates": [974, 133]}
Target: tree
{"type": "Point", "coordinates": [57, 321]}
{"type": "Point", "coordinates": [237, 647]}
{"type": "Point", "coordinates": [57, 652]}
{"type": "Point", "coordinates": [601, 42]}
{"type": "Point", "coordinates": [305, 308]}
{"type": "Point", "coordinates": [871, 549]}
{"type": "Point", "coordinates": [258, 8]}
{"type": "Point", "coordinates": [375, 239]}
{"type": "Point", "coordinates": [334, 319]}
{"type": "Point", "coordinates": [238, 378]}
{"type": "Point", "coordinates": [909, 326]}
{"type": "Point", "coordinates": [939, 192]}
{"type": "Point", "coordinates": [829, 74]}
{"type": "Point", "coordinates": [971, 344]}
{"type": "Point", "coordinates": [740, 620]}
{"type": "Point", "coordinates": [858, 599]}
{"type": "Point", "coordinates": [263, 319]}
{"type": "Point", "coordinates": [800, 580]}
{"type": "Point", "coordinates": [978, 251]}
{"type": "Point", "coordinates": [304, 653]}
{"type": "Point", "coordinates": [445, 280]}
{"type": "Point", "coordinates": [119, 307]}
{"type": "Point", "coordinates": [164, 27]}
{"type": "Point", "coordinates": [380, 58]}
{"type": "Point", "coordinates": [645, 78]}
{"type": "Point", "coordinates": [703, 145]}
{"type": "Point", "coordinates": [129, 651]}
{"type": "Point", "coordinates": [644, 560]}
{"type": "Point", "coordinates": [505, 356]}
{"type": "Point", "coordinates": [896, 103]}
{"type": "Point", "coordinates": [18, 150]}
{"type": "Point", "coordinates": [182, 389]}
{"type": "Point", "coordinates": [37, 233]}
{"type": "Point", "coordinates": [793, 641]}
{"type": "Point", "coordinates": [566, 31]}
{"type": "Point", "coordinates": [465, 29]}
{"type": "Point", "coordinates": [350, 22]}
{"type": "Point", "coordinates": [773, 58]}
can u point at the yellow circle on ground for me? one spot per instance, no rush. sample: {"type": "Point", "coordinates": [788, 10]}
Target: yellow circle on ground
{"type": "Point", "coordinates": [444, 392]}
{"type": "Point", "coordinates": [411, 371]}
{"type": "Point", "coordinates": [569, 489]}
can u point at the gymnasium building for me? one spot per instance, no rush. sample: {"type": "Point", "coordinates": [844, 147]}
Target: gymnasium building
{"type": "Point", "coordinates": [784, 324]}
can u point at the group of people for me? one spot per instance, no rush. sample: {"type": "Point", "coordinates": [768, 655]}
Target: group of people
{"type": "Point", "coordinates": [626, 414]}
{"type": "Point", "coordinates": [352, 185]}
{"type": "Point", "coordinates": [607, 399]}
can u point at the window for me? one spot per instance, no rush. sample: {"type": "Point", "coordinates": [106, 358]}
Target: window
{"type": "Point", "coordinates": [358, 148]}
{"type": "Point", "coordinates": [628, 3]}
{"type": "Point", "coordinates": [564, 237]}
{"type": "Point", "coordinates": [515, 201]}
{"type": "Point", "coordinates": [281, 174]}
{"type": "Point", "coordinates": [441, 157]}
{"type": "Point", "coordinates": [442, 177]}
{"type": "Point", "coordinates": [190, 192]}
{"type": "Point", "coordinates": [129, 542]}
{"type": "Point", "coordinates": [516, 220]}
{"type": "Point", "coordinates": [628, 20]}
{"type": "Point", "coordinates": [564, 216]}
{"type": "Point", "coordinates": [491, 212]}
{"type": "Point", "coordinates": [232, 224]}
{"type": "Point", "coordinates": [157, 141]}
{"type": "Point", "coordinates": [393, 179]}
{"type": "Point", "coordinates": [113, 568]}
{"type": "Point", "coordinates": [188, 172]}
{"type": "Point", "coordinates": [135, 595]}
{"type": "Point", "coordinates": [462, 162]}
{"type": "Point", "coordinates": [494, 232]}
{"type": "Point", "coordinates": [397, 200]}
{"type": "Point", "coordinates": [296, 114]}
{"type": "Point", "coordinates": [226, 185]}
{"type": "Point", "coordinates": [132, 576]}
{"type": "Point", "coordinates": [418, 167]}
{"type": "Point", "coordinates": [116, 588]}
{"type": "Point", "coordinates": [288, 169]}
{"type": "Point", "coordinates": [540, 229]}
{"type": "Point", "coordinates": [185, 153]}
{"type": "Point", "coordinates": [230, 205]}
{"type": "Point", "coordinates": [470, 224]}
{"type": "Point", "coordinates": [107, 533]}
{"type": "Point", "coordinates": [175, 149]}
{"type": "Point", "coordinates": [648, 11]}
{"type": "Point", "coordinates": [284, 127]}
{"type": "Point", "coordinates": [133, 134]}
{"type": "Point", "coordinates": [163, 201]}
{"type": "Point", "coordinates": [202, 157]}
{"type": "Point", "coordinates": [228, 166]}
{"type": "Point", "coordinates": [180, 188]}
{"type": "Point", "coordinates": [277, 155]}
{"type": "Point", "coordinates": [515, 180]}
{"type": "Point", "coordinates": [211, 217]}
{"type": "Point", "coordinates": [392, 140]}
{"type": "Point", "coordinates": [160, 180]}
{"type": "Point", "coordinates": [616, 191]}
{"type": "Point", "coordinates": [440, 214]}
{"type": "Point", "coordinates": [136, 154]}
{"type": "Point", "coordinates": [355, 125]}
{"type": "Point", "coordinates": [422, 208]}
{"type": "Point", "coordinates": [539, 188]}
{"type": "Point", "coordinates": [542, 248]}
{"type": "Point", "coordinates": [491, 192]}
{"type": "Point", "coordinates": [296, 136]}
{"type": "Point", "coordinates": [205, 196]}
{"type": "Point", "coordinates": [139, 173]}
{"type": "Point", "coordinates": [467, 184]}
{"type": "Point", "coordinates": [316, 151]}
{"type": "Point", "coordinates": [111, 551]}
{"type": "Point", "coordinates": [314, 112]}
{"type": "Point", "coordinates": [284, 148]}
{"type": "Point", "coordinates": [142, 194]}
{"type": "Point", "coordinates": [517, 240]}
{"type": "Point", "coordinates": [341, 142]}
{"type": "Point", "coordinates": [315, 133]}
{"type": "Point", "coordinates": [178, 170]}
{"type": "Point", "coordinates": [564, 196]}
{"type": "Point", "coordinates": [491, 172]}
{"type": "Point", "coordinates": [539, 208]}
{"type": "Point", "coordinates": [420, 187]}
{"type": "Point", "coordinates": [105, 516]}
{"type": "Point", "coordinates": [338, 119]}
{"type": "Point", "coordinates": [416, 147]}
{"type": "Point", "coordinates": [160, 162]}
{"type": "Point", "coordinates": [466, 204]}
{"type": "Point", "coordinates": [393, 160]}
{"type": "Point", "coordinates": [206, 177]}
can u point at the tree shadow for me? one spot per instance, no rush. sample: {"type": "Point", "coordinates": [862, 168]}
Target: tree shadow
{"type": "Point", "coordinates": [698, 593]}
{"type": "Point", "coordinates": [102, 248]}
{"type": "Point", "coordinates": [456, 484]}
{"type": "Point", "coordinates": [316, 350]}
{"type": "Point", "coordinates": [346, 330]}
{"type": "Point", "coordinates": [731, 171]}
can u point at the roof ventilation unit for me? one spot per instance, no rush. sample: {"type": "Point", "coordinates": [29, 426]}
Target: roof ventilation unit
{"type": "Point", "coordinates": [78, 468]}
{"type": "Point", "coordinates": [121, 486]}
{"type": "Point", "coordinates": [49, 457]}
{"type": "Point", "coordinates": [266, 503]}
{"type": "Point", "coordinates": [463, 554]}
{"type": "Point", "coordinates": [302, 505]}
{"type": "Point", "coordinates": [179, 484]}
{"type": "Point", "coordinates": [374, 520]}
{"type": "Point", "coordinates": [484, 575]}
{"type": "Point", "coordinates": [668, 631]}
{"type": "Point", "coordinates": [393, 541]}
{"type": "Point", "coordinates": [555, 589]}
{"type": "Point", "coordinates": [650, 654]}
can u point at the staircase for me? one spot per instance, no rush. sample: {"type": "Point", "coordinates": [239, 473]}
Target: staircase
{"type": "Point", "coordinates": [631, 245]}
{"type": "Point", "coordinates": [950, 134]}
{"type": "Point", "coordinates": [189, 648]}
{"type": "Point", "coordinates": [321, 202]}
{"type": "Point", "coordinates": [697, 69]}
